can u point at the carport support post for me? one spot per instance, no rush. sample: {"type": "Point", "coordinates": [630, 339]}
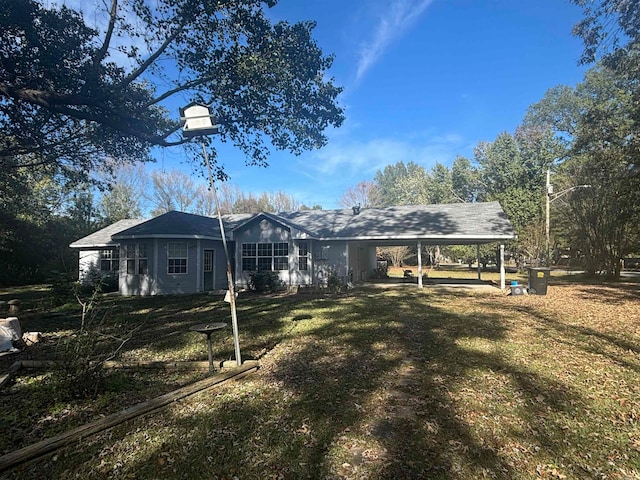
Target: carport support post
{"type": "Point", "coordinates": [478, 259]}
{"type": "Point", "coordinates": [419, 264]}
{"type": "Point", "coordinates": [502, 273]}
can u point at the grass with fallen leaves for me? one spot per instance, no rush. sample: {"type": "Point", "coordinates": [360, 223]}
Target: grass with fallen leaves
{"type": "Point", "coordinates": [386, 383]}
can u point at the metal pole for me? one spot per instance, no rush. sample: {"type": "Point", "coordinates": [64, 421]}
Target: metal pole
{"type": "Point", "coordinates": [547, 221]}
{"type": "Point", "coordinates": [419, 264]}
{"type": "Point", "coordinates": [502, 270]}
{"type": "Point", "coordinates": [232, 295]}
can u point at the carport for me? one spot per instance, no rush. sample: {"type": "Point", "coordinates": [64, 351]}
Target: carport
{"type": "Point", "coordinates": [450, 224]}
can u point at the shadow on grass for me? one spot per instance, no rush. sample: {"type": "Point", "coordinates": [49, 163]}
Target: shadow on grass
{"type": "Point", "coordinates": [571, 332]}
{"type": "Point", "coordinates": [368, 386]}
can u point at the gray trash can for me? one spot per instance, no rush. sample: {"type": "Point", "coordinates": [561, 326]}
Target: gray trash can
{"type": "Point", "coordinates": [538, 280]}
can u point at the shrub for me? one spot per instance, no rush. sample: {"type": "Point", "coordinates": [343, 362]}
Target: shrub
{"type": "Point", "coordinates": [80, 373]}
{"type": "Point", "coordinates": [334, 285]}
{"type": "Point", "coordinates": [62, 288]}
{"type": "Point", "coordinates": [263, 281]}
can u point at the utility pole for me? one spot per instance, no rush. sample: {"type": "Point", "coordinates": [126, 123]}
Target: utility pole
{"type": "Point", "coordinates": [550, 197]}
{"type": "Point", "coordinates": [548, 192]}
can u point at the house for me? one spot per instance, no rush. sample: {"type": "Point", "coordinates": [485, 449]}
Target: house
{"type": "Point", "coordinates": [183, 253]}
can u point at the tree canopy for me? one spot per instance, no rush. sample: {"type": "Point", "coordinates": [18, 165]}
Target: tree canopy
{"type": "Point", "coordinates": [73, 94]}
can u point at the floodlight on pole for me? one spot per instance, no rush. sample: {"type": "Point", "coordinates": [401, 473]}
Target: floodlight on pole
{"type": "Point", "coordinates": [197, 120]}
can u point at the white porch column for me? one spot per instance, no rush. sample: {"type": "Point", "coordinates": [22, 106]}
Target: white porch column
{"type": "Point", "coordinates": [478, 258]}
{"type": "Point", "coordinates": [346, 273]}
{"type": "Point", "coordinates": [419, 264]}
{"type": "Point", "coordinates": [502, 270]}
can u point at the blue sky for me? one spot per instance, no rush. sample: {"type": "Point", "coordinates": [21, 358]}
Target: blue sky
{"type": "Point", "coordinates": [424, 81]}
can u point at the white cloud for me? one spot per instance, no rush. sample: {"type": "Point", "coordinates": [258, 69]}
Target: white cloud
{"type": "Point", "coordinates": [400, 16]}
{"type": "Point", "coordinates": [362, 159]}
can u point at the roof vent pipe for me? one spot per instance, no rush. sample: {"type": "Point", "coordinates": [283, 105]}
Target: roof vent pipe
{"type": "Point", "coordinates": [356, 209]}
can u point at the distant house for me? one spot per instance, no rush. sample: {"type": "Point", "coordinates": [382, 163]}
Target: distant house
{"type": "Point", "coordinates": [183, 253]}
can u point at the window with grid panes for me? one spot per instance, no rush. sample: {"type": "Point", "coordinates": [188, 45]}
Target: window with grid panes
{"type": "Point", "coordinates": [265, 256]}
{"type": "Point", "coordinates": [303, 256]}
{"type": "Point", "coordinates": [109, 260]}
{"type": "Point", "coordinates": [249, 254]}
{"type": "Point", "coordinates": [176, 257]}
{"type": "Point", "coordinates": [281, 256]}
{"type": "Point", "coordinates": [136, 258]}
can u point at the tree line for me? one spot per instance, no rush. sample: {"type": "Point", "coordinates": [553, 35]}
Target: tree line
{"type": "Point", "coordinates": [77, 107]}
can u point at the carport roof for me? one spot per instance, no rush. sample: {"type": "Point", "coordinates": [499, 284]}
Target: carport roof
{"type": "Point", "coordinates": [443, 223]}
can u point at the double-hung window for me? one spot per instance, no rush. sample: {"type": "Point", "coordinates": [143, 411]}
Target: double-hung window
{"type": "Point", "coordinates": [176, 257]}
{"type": "Point", "coordinates": [249, 257]}
{"type": "Point", "coordinates": [303, 256]}
{"type": "Point", "coordinates": [281, 256]}
{"type": "Point", "coordinates": [136, 258]}
{"type": "Point", "coordinates": [265, 256]}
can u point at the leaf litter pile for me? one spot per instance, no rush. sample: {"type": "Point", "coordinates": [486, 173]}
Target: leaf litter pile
{"type": "Point", "coordinates": [403, 383]}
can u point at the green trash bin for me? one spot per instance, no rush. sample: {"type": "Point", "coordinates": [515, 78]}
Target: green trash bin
{"type": "Point", "coordinates": [538, 280]}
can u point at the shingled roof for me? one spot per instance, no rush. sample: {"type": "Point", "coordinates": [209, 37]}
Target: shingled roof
{"type": "Point", "coordinates": [181, 225]}
{"type": "Point", "coordinates": [103, 237]}
{"type": "Point", "coordinates": [457, 223]}
{"type": "Point", "coordinates": [449, 223]}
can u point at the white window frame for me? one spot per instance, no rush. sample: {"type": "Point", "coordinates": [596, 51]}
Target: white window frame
{"type": "Point", "coordinates": [303, 256]}
{"type": "Point", "coordinates": [265, 256]}
{"type": "Point", "coordinates": [178, 259]}
{"type": "Point", "coordinates": [112, 256]}
{"type": "Point", "coordinates": [135, 254]}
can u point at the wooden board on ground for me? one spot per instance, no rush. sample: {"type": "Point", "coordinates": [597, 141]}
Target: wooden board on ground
{"type": "Point", "coordinates": [45, 446]}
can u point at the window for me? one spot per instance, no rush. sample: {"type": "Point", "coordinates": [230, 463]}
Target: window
{"type": "Point", "coordinates": [281, 256]}
{"type": "Point", "coordinates": [249, 257]}
{"type": "Point", "coordinates": [109, 260]}
{"type": "Point", "coordinates": [136, 258]}
{"type": "Point", "coordinates": [176, 257]}
{"type": "Point", "coordinates": [265, 256]}
{"type": "Point", "coordinates": [208, 260]}
{"type": "Point", "coordinates": [303, 256]}
{"type": "Point", "coordinates": [142, 259]}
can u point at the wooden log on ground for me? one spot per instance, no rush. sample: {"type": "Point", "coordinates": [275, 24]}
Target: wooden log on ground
{"type": "Point", "coordinates": [46, 446]}
{"type": "Point", "coordinates": [199, 365]}
{"type": "Point", "coordinates": [203, 365]}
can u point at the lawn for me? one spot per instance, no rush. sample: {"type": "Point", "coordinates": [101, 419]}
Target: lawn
{"type": "Point", "coordinates": [371, 384]}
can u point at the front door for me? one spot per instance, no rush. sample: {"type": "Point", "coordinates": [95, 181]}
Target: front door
{"type": "Point", "coordinates": [208, 270]}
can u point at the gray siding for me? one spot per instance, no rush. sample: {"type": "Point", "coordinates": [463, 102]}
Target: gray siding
{"type": "Point", "coordinates": [158, 280]}
{"type": "Point", "coordinates": [137, 284]}
{"type": "Point", "coordinates": [297, 276]}
{"type": "Point", "coordinates": [174, 283]}
{"type": "Point", "coordinates": [362, 261]}
{"type": "Point", "coordinates": [330, 258]}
